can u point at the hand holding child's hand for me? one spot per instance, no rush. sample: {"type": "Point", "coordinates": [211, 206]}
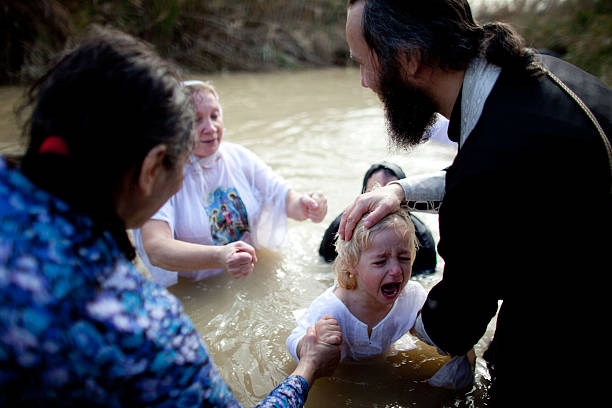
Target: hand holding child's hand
{"type": "Point", "coordinates": [319, 350]}
{"type": "Point", "coordinates": [328, 331]}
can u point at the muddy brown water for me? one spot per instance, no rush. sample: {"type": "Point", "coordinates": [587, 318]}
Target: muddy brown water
{"type": "Point", "coordinates": [321, 131]}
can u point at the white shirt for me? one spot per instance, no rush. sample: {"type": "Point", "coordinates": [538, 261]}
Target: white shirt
{"type": "Point", "coordinates": [356, 344]}
{"type": "Point", "coordinates": [222, 197]}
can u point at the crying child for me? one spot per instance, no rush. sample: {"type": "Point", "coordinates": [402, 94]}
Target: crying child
{"type": "Point", "coordinates": [373, 299]}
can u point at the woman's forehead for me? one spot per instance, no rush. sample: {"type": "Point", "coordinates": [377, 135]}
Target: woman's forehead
{"type": "Point", "coordinates": [205, 98]}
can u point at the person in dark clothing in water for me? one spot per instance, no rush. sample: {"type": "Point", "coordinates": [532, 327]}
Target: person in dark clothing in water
{"type": "Point", "coordinates": [379, 174]}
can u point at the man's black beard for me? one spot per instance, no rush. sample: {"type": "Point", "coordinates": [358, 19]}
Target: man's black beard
{"type": "Point", "coordinates": [408, 110]}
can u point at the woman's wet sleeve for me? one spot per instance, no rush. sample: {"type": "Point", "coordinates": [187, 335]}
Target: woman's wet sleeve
{"type": "Point", "coordinates": [291, 393]}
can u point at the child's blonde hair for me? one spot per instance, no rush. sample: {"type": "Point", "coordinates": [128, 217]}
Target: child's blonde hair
{"type": "Point", "coordinates": [350, 251]}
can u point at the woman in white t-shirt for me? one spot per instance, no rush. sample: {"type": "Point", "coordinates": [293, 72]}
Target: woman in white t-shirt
{"type": "Point", "coordinates": [231, 202]}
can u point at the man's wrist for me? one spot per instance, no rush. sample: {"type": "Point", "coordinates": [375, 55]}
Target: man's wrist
{"type": "Point", "coordinates": [398, 190]}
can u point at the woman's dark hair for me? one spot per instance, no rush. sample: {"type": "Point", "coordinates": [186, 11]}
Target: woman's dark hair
{"type": "Point", "coordinates": [110, 100]}
{"type": "Point", "coordinates": [390, 170]}
{"type": "Point", "coordinates": [443, 31]}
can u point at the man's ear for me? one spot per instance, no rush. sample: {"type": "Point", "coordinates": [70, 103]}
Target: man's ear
{"type": "Point", "coordinates": [151, 169]}
{"type": "Point", "coordinates": [411, 61]}
{"type": "Point", "coordinates": [374, 59]}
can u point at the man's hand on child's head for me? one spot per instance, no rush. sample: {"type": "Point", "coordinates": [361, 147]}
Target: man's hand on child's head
{"type": "Point", "coordinates": [328, 331]}
{"type": "Point", "coordinates": [376, 204]}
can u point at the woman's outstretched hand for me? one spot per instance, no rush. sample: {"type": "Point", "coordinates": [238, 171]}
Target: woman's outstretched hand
{"type": "Point", "coordinates": [314, 206]}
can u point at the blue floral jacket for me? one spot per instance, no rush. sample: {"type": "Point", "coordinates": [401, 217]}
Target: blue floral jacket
{"type": "Point", "coordinates": [80, 326]}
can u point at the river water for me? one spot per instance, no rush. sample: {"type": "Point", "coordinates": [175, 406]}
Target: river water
{"type": "Point", "coordinates": [321, 131]}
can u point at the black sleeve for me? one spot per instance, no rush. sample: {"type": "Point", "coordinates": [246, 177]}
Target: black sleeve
{"type": "Point", "coordinates": [472, 244]}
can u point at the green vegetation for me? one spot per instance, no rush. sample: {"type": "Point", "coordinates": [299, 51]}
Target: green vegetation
{"type": "Point", "coordinates": [199, 35]}
{"type": "Point", "coordinates": [218, 35]}
{"type": "Point", "coordinates": [579, 31]}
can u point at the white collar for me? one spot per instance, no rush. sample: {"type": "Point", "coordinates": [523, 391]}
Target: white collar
{"type": "Point", "coordinates": [480, 77]}
{"type": "Point", "coordinates": [209, 161]}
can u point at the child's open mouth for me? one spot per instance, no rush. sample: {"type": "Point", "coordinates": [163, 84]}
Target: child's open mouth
{"type": "Point", "coordinates": [390, 290]}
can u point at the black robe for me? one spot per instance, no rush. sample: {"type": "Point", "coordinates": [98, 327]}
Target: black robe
{"type": "Point", "coordinates": [526, 220]}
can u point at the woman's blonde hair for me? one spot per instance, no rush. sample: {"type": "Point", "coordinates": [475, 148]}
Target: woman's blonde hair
{"type": "Point", "coordinates": [350, 251]}
{"type": "Point", "coordinates": [194, 86]}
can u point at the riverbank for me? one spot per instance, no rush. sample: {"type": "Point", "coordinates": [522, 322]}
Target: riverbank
{"type": "Point", "coordinates": [263, 35]}
{"type": "Point", "coordinates": [211, 36]}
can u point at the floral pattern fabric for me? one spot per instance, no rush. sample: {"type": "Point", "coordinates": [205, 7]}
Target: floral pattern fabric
{"type": "Point", "coordinates": [80, 326]}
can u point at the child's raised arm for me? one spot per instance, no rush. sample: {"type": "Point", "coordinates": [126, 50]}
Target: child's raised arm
{"type": "Point", "coordinates": [327, 330]}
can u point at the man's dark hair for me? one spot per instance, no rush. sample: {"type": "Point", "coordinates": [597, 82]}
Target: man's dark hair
{"type": "Point", "coordinates": [443, 31]}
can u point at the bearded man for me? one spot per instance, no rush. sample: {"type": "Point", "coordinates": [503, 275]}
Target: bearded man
{"type": "Point", "coordinates": [534, 151]}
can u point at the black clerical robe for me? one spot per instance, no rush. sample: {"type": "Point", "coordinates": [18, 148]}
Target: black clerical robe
{"type": "Point", "coordinates": [525, 222]}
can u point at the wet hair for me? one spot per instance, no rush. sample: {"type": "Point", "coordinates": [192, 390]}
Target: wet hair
{"type": "Point", "coordinates": [444, 32]}
{"type": "Point", "coordinates": [193, 86]}
{"type": "Point", "coordinates": [349, 252]}
{"type": "Point", "coordinates": [390, 169]}
{"type": "Point", "coordinates": [109, 101]}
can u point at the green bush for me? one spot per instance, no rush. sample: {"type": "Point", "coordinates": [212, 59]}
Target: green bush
{"type": "Point", "coordinates": [579, 31]}
{"type": "Point", "coordinates": [215, 35]}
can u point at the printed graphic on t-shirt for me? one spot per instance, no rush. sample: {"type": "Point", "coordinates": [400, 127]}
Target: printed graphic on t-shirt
{"type": "Point", "coordinates": [227, 215]}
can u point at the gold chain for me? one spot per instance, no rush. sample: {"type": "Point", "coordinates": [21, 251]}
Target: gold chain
{"type": "Point", "coordinates": [588, 112]}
